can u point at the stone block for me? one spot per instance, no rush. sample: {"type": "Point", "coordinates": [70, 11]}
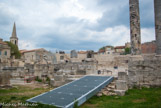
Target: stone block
{"type": "Point", "coordinates": [58, 83]}
{"type": "Point", "coordinates": [52, 81]}
{"type": "Point", "coordinates": [136, 58]}
{"type": "Point", "coordinates": [121, 85]}
{"type": "Point", "coordinates": [120, 92]}
{"type": "Point", "coordinates": [122, 76]}
{"type": "Point", "coordinates": [59, 77]}
{"type": "Point", "coordinates": [5, 78]}
{"type": "Point", "coordinates": [99, 94]}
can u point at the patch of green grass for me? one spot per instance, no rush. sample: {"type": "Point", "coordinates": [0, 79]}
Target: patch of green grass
{"type": "Point", "coordinates": [20, 94]}
{"type": "Point", "coordinates": [134, 98]}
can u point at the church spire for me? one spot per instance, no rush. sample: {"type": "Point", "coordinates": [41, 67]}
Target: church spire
{"type": "Point", "coordinates": [14, 38]}
{"type": "Point", "coordinates": [14, 34]}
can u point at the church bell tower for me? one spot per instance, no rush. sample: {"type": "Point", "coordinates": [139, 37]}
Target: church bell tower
{"type": "Point", "coordinates": [14, 38]}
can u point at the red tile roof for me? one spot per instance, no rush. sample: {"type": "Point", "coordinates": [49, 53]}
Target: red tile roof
{"type": "Point", "coordinates": [4, 43]}
{"type": "Point", "coordinates": [25, 51]}
{"type": "Point", "coordinates": [120, 47]}
{"type": "Point", "coordinates": [100, 51]}
{"type": "Point", "coordinates": [82, 52]}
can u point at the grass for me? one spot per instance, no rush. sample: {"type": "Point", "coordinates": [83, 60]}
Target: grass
{"type": "Point", "coordinates": [134, 98]}
{"type": "Point", "coordinates": [20, 93]}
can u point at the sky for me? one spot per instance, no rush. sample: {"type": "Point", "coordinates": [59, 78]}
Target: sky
{"type": "Point", "coordinates": [73, 24]}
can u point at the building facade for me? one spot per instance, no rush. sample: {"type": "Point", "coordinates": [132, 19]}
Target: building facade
{"type": "Point", "coordinates": [37, 56]}
{"type": "Point", "coordinates": [119, 49]}
{"type": "Point", "coordinates": [4, 51]}
{"type": "Point", "coordinates": [149, 47]}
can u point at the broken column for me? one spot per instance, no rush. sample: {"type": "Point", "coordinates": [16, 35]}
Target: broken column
{"type": "Point", "coordinates": [121, 84]}
{"type": "Point", "coordinates": [157, 7]}
{"type": "Point", "coordinates": [135, 27]}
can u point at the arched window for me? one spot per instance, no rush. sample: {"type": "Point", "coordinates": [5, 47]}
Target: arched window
{"type": "Point", "coordinates": [15, 42]}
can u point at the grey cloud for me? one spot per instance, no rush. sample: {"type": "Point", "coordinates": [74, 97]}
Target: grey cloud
{"type": "Point", "coordinates": [66, 32]}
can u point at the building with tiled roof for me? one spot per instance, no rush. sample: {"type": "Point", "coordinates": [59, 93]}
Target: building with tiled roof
{"type": "Point", "coordinates": [36, 56]}
{"type": "Point", "coordinates": [119, 49]}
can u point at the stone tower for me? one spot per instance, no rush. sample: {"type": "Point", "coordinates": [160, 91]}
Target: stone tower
{"type": "Point", "coordinates": [135, 27]}
{"type": "Point", "coordinates": [14, 38]}
{"type": "Point", "coordinates": [157, 7]}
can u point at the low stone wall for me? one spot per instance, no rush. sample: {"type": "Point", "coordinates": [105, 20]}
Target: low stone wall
{"type": "Point", "coordinates": [66, 72]}
{"type": "Point", "coordinates": [113, 63]}
{"type": "Point", "coordinates": [144, 73]}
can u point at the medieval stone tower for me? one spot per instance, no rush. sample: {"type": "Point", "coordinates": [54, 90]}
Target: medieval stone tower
{"type": "Point", "coordinates": [14, 38]}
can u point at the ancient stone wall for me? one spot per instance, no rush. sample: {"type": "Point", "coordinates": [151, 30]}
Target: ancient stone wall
{"type": "Point", "coordinates": [148, 47]}
{"type": "Point", "coordinates": [144, 73]}
{"type": "Point", "coordinates": [112, 64]}
{"type": "Point", "coordinates": [66, 72]}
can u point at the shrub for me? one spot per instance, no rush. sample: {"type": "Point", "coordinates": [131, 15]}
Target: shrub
{"type": "Point", "coordinates": [14, 50]}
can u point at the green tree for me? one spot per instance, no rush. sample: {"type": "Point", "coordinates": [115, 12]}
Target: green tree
{"type": "Point", "coordinates": [127, 50]}
{"type": "Point", "coordinates": [14, 50]}
{"type": "Point", "coordinates": [103, 48]}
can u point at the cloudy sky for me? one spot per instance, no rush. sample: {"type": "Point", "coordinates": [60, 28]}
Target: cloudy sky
{"type": "Point", "coordinates": [72, 24]}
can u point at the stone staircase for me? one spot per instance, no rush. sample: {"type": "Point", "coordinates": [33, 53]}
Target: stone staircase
{"type": "Point", "coordinates": [118, 87]}
{"type": "Point", "coordinates": [109, 90]}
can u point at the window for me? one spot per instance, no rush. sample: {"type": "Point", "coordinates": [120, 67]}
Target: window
{"type": "Point", "coordinates": [32, 57]}
{"type": "Point", "coordinates": [5, 53]}
{"type": "Point", "coordinates": [0, 52]}
{"type": "Point", "coordinates": [61, 57]}
{"type": "Point", "coordinates": [115, 67]}
{"type": "Point", "coordinates": [15, 42]}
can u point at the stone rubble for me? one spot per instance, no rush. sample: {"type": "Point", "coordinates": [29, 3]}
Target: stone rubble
{"type": "Point", "coordinates": [108, 90]}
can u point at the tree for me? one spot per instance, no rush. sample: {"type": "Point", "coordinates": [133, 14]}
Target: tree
{"type": "Point", "coordinates": [103, 48]}
{"type": "Point", "coordinates": [127, 50]}
{"type": "Point", "coordinates": [14, 50]}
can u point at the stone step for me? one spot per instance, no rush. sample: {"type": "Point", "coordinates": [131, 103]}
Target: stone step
{"type": "Point", "coordinates": [121, 85]}
{"type": "Point", "coordinates": [111, 86]}
{"type": "Point", "coordinates": [120, 92]}
{"type": "Point", "coordinates": [109, 89]}
{"type": "Point", "coordinates": [112, 83]}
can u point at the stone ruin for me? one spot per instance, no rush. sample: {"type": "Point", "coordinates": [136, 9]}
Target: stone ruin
{"type": "Point", "coordinates": [141, 70]}
{"type": "Point", "coordinates": [59, 74]}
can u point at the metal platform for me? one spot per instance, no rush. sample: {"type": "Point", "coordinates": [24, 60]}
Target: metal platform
{"type": "Point", "coordinates": [76, 91]}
